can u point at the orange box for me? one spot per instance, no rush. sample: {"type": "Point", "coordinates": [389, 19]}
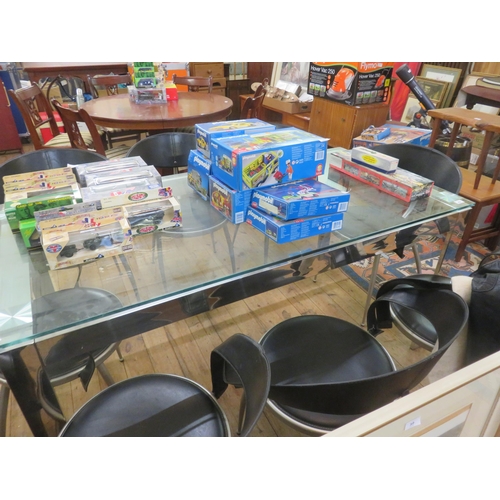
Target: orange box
{"type": "Point", "coordinates": [352, 83]}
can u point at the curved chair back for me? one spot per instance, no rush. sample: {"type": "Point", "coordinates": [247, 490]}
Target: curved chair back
{"type": "Point", "coordinates": [426, 162]}
{"type": "Point", "coordinates": [355, 376]}
{"type": "Point", "coordinates": [251, 107]}
{"type": "Point", "coordinates": [194, 83]}
{"type": "Point", "coordinates": [31, 101]}
{"type": "Point", "coordinates": [71, 118]}
{"type": "Point", "coordinates": [45, 159]}
{"type": "Point", "coordinates": [167, 152]}
{"type": "Point", "coordinates": [109, 82]}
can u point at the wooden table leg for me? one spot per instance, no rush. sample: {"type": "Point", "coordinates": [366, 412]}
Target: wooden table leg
{"type": "Point", "coordinates": [469, 227]}
{"type": "Point", "coordinates": [482, 159]}
{"type": "Point", "coordinates": [453, 138]}
{"type": "Point", "coordinates": [435, 131]}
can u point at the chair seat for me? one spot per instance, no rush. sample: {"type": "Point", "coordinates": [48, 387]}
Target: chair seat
{"type": "Point", "coordinates": [164, 405]}
{"type": "Point", "coordinates": [63, 141]}
{"type": "Point", "coordinates": [117, 152]}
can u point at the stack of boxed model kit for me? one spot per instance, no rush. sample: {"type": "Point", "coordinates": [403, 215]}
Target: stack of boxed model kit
{"type": "Point", "coordinates": [82, 213]}
{"type": "Point", "coordinates": [239, 163]}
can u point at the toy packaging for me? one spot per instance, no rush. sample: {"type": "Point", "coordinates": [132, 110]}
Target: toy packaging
{"type": "Point", "coordinates": [401, 184]}
{"type": "Point", "coordinates": [98, 167]}
{"type": "Point", "coordinates": [205, 132]}
{"type": "Point", "coordinates": [284, 155]}
{"type": "Point", "coordinates": [352, 83]}
{"type": "Point", "coordinates": [231, 203]}
{"type": "Point", "coordinates": [306, 198]}
{"type": "Point", "coordinates": [374, 159]}
{"type": "Point", "coordinates": [111, 177]}
{"type": "Point", "coordinates": [283, 231]}
{"type": "Point", "coordinates": [198, 170]}
{"type": "Point", "coordinates": [398, 135]}
{"type": "Point", "coordinates": [86, 237]}
{"type": "Point", "coordinates": [155, 215]}
{"type": "Point", "coordinates": [38, 175]}
{"type": "Point", "coordinates": [124, 193]}
{"type": "Point", "coordinates": [375, 133]}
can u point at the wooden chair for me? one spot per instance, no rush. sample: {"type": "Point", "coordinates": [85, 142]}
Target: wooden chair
{"type": "Point", "coordinates": [477, 187]}
{"type": "Point", "coordinates": [252, 105]}
{"type": "Point", "coordinates": [37, 114]}
{"type": "Point", "coordinates": [73, 119]}
{"type": "Point", "coordinates": [110, 83]}
{"type": "Point", "coordinates": [194, 83]}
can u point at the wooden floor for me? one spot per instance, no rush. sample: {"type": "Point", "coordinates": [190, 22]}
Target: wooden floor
{"type": "Point", "coordinates": [184, 347]}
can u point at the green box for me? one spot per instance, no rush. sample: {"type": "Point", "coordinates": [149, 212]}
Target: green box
{"type": "Point", "coordinates": [29, 233]}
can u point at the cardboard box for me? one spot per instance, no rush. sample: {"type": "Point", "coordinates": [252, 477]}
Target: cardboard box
{"type": "Point", "coordinates": [398, 135]}
{"type": "Point", "coordinates": [352, 83]}
{"type": "Point", "coordinates": [85, 237]}
{"type": "Point", "coordinates": [146, 95]}
{"type": "Point", "coordinates": [199, 169]}
{"type": "Point", "coordinates": [151, 216]}
{"type": "Point", "coordinates": [250, 161]}
{"type": "Point", "coordinates": [402, 184]}
{"type": "Point", "coordinates": [205, 132]}
{"type": "Point", "coordinates": [285, 106]}
{"type": "Point", "coordinates": [232, 204]}
{"type": "Point", "coordinates": [283, 231]}
{"type": "Point", "coordinates": [374, 159]}
{"type": "Point", "coordinates": [300, 199]}
{"type": "Point", "coordinates": [38, 175]}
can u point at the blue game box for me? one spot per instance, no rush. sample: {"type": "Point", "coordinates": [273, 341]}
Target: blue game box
{"type": "Point", "coordinates": [283, 231]}
{"type": "Point", "coordinates": [205, 132]}
{"type": "Point", "coordinates": [258, 160]}
{"type": "Point", "coordinates": [199, 168]}
{"type": "Point", "coordinates": [230, 203]}
{"type": "Point", "coordinates": [305, 198]}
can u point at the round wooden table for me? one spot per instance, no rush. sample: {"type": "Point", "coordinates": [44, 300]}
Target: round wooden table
{"type": "Point", "coordinates": [191, 108]}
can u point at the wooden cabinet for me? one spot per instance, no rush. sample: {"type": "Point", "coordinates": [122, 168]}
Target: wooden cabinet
{"type": "Point", "coordinates": [340, 123]}
{"type": "Point", "coordinates": [213, 69]}
{"type": "Point", "coordinates": [235, 88]}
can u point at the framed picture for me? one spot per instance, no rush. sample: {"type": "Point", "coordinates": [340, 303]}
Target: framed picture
{"type": "Point", "coordinates": [412, 106]}
{"type": "Point", "coordinates": [291, 72]}
{"type": "Point", "coordinates": [443, 74]}
{"type": "Point", "coordinates": [435, 90]}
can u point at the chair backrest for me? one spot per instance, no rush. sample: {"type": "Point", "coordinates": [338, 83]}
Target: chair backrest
{"type": "Point", "coordinates": [31, 101]}
{"type": "Point", "coordinates": [71, 118]}
{"type": "Point", "coordinates": [169, 150]}
{"type": "Point", "coordinates": [427, 162]}
{"type": "Point", "coordinates": [252, 105]}
{"type": "Point", "coordinates": [194, 83]}
{"type": "Point", "coordinates": [448, 313]}
{"type": "Point", "coordinates": [109, 82]}
{"type": "Point", "coordinates": [45, 159]}
{"type": "Point", "coordinates": [245, 358]}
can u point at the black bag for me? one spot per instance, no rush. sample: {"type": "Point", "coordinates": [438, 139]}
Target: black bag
{"type": "Point", "coordinates": [484, 310]}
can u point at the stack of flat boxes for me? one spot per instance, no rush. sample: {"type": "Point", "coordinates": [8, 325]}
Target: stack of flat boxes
{"type": "Point", "coordinates": [236, 159]}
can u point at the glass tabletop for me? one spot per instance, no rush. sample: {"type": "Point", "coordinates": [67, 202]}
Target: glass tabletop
{"type": "Point", "coordinates": [206, 251]}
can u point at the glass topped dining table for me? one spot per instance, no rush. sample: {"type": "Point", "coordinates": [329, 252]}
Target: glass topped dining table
{"type": "Point", "coordinates": [190, 108]}
{"type": "Point", "coordinates": [207, 263]}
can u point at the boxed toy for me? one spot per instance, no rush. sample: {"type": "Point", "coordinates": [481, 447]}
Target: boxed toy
{"type": "Point", "coordinates": [374, 159]}
{"type": "Point", "coordinates": [306, 198]}
{"type": "Point", "coordinates": [336, 155]}
{"type": "Point", "coordinates": [231, 203]}
{"type": "Point", "coordinates": [146, 95]}
{"type": "Point", "coordinates": [283, 231]}
{"type": "Point", "coordinates": [112, 177]}
{"type": "Point", "coordinates": [249, 161]}
{"type": "Point", "coordinates": [198, 170]}
{"type": "Point", "coordinates": [98, 167]}
{"type": "Point", "coordinates": [205, 132]}
{"type": "Point", "coordinates": [352, 83]}
{"type": "Point", "coordinates": [401, 184]}
{"type": "Point", "coordinates": [155, 215]}
{"type": "Point", "coordinates": [124, 193]}
{"type": "Point", "coordinates": [398, 135]}
{"type": "Point", "coordinates": [38, 175]}
{"type": "Point", "coordinates": [86, 237]}
{"type": "Point", "coordinates": [21, 189]}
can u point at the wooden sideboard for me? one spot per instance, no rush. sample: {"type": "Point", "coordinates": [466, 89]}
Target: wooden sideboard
{"type": "Point", "coordinates": [342, 123]}
{"type": "Point", "coordinates": [213, 69]}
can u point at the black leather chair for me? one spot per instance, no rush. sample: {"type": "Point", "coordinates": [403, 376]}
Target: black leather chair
{"type": "Point", "coordinates": [45, 159]}
{"type": "Point", "coordinates": [326, 372]}
{"type": "Point", "coordinates": [167, 152]}
{"type": "Point", "coordinates": [160, 405]}
{"type": "Point", "coordinates": [428, 163]}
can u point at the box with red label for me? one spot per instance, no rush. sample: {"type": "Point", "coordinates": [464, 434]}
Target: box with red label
{"type": "Point", "coordinates": [398, 135]}
{"type": "Point", "coordinates": [402, 184]}
{"type": "Point", "coordinates": [352, 83]}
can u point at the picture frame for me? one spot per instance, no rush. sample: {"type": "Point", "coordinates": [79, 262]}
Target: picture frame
{"type": "Point", "coordinates": [412, 106]}
{"type": "Point", "coordinates": [444, 74]}
{"type": "Point", "coordinates": [291, 72]}
{"type": "Point", "coordinates": [435, 90]}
